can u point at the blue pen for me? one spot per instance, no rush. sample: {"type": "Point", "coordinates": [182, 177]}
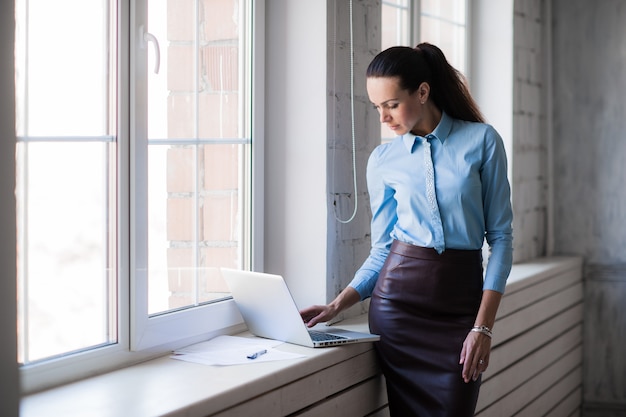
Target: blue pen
{"type": "Point", "coordinates": [257, 354]}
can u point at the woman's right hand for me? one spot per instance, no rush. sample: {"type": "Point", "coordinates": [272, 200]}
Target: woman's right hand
{"type": "Point", "coordinates": [323, 313]}
{"type": "Point", "coordinates": [317, 314]}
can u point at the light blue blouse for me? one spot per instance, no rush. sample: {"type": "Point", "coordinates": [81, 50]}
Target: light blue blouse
{"type": "Point", "coordinates": [473, 195]}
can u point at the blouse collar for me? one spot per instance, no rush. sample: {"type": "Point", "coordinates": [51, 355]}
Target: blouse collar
{"type": "Point", "coordinates": [441, 132]}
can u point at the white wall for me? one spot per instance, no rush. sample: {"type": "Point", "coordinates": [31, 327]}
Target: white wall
{"type": "Point", "coordinates": [9, 379]}
{"type": "Point", "coordinates": [491, 64]}
{"type": "Point", "coordinates": [295, 146]}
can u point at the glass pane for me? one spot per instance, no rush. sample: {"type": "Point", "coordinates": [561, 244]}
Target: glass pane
{"type": "Point", "coordinates": [450, 10]}
{"type": "Point", "coordinates": [198, 140]}
{"type": "Point", "coordinates": [443, 23]}
{"type": "Point", "coordinates": [63, 46]}
{"type": "Point", "coordinates": [449, 37]}
{"type": "Point", "coordinates": [66, 177]}
{"type": "Point", "coordinates": [395, 23]}
{"type": "Point", "coordinates": [395, 31]}
{"type": "Point", "coordinates": [65, 262]}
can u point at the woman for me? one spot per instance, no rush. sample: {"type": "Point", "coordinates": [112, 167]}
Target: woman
{"type": "Point", "coordinates": [437, 191]}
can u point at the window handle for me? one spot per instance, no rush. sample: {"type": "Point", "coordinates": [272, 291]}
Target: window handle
{"type": "Point", "coordinates": [149, 37]}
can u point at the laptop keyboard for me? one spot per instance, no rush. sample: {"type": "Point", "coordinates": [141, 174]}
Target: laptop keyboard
{"type": "Point", "coordinates": [321, 336]}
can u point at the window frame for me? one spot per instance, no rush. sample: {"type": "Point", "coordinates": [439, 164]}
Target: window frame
{"type": "Point", "coordinates": [140, 337]}
{"type": "Point", "coordinates": [190, 324]}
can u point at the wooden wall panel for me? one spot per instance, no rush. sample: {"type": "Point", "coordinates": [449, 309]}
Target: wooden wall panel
{"type": "Point", "coordinates": [536, 361]}
{"type": "Point", "coordinates": [359, 400]}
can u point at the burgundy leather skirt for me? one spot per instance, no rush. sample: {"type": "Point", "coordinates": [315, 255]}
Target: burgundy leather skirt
{"type": "Point", "coordinates": [423, 307]}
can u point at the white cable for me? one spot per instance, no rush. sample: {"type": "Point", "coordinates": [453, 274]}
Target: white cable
{"type": "Point", "coordinates": [356, 200]}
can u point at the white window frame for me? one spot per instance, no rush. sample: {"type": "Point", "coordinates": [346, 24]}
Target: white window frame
{"type": "Point", "coordinates": [189, 324]}
{"type": "Point", "coordinates": [140, 337]}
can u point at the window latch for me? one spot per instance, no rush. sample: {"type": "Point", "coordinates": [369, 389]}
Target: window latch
{"type": "Point", "coordinates": [147, 37]}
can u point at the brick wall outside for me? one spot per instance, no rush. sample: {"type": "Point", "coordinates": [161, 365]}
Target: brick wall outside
{"type": "Point", "coordinates": [202, 180]}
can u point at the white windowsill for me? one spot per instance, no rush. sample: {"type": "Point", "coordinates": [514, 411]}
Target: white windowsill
{"type": "Point", "coordinates": [169, 387]}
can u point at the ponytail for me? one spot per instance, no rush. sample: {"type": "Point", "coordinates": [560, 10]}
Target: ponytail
{"type": "Point", "coordinates": [448, 89]}
{"type": "Point", "coordinates": [426, 63]}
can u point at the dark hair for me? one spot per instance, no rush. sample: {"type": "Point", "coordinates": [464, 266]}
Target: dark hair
{"type": "Point", "coordinates": [426, 63]}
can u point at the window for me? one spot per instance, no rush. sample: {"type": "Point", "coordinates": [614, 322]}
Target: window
{"type": "Point", "coordinates": [398, 26]}
{"type": "Point", "coordinates": [442, 23]}
{"type": "Point", "coordinates": [66, 172]}
{"type": "Point", "coordinates": [192, 157]}
{"type": "Point", "coordinates": [134, 175]}
{"type": "Point", "coordinates": [198, 130]}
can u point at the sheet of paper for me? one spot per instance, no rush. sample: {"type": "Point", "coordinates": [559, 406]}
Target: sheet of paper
{"type": "Point", "coordinates": [233, 350]}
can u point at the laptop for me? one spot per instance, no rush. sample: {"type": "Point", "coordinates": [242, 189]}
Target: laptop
{"type": "Point", "coordinates": [269, 311]}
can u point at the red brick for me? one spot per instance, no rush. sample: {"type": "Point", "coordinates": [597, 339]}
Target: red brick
{"type": "Point", "coordinates": [221, 168]}
{"type": "Point", "coordinates": [180, 219]}
{"type": "Point", "coordinates": [220, 217]}
{"type": "Point", "coordinates": [181, 162]}
{"type": "Point", "coordinates": [219, 115]}
{"type": "Point", "coordinates": [220, 19]}
{"type": "Point", "coordinates": [180, 73]}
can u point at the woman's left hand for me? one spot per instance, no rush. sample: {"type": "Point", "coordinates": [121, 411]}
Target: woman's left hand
{"type": "Point", "coordinates": [475, 355]}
